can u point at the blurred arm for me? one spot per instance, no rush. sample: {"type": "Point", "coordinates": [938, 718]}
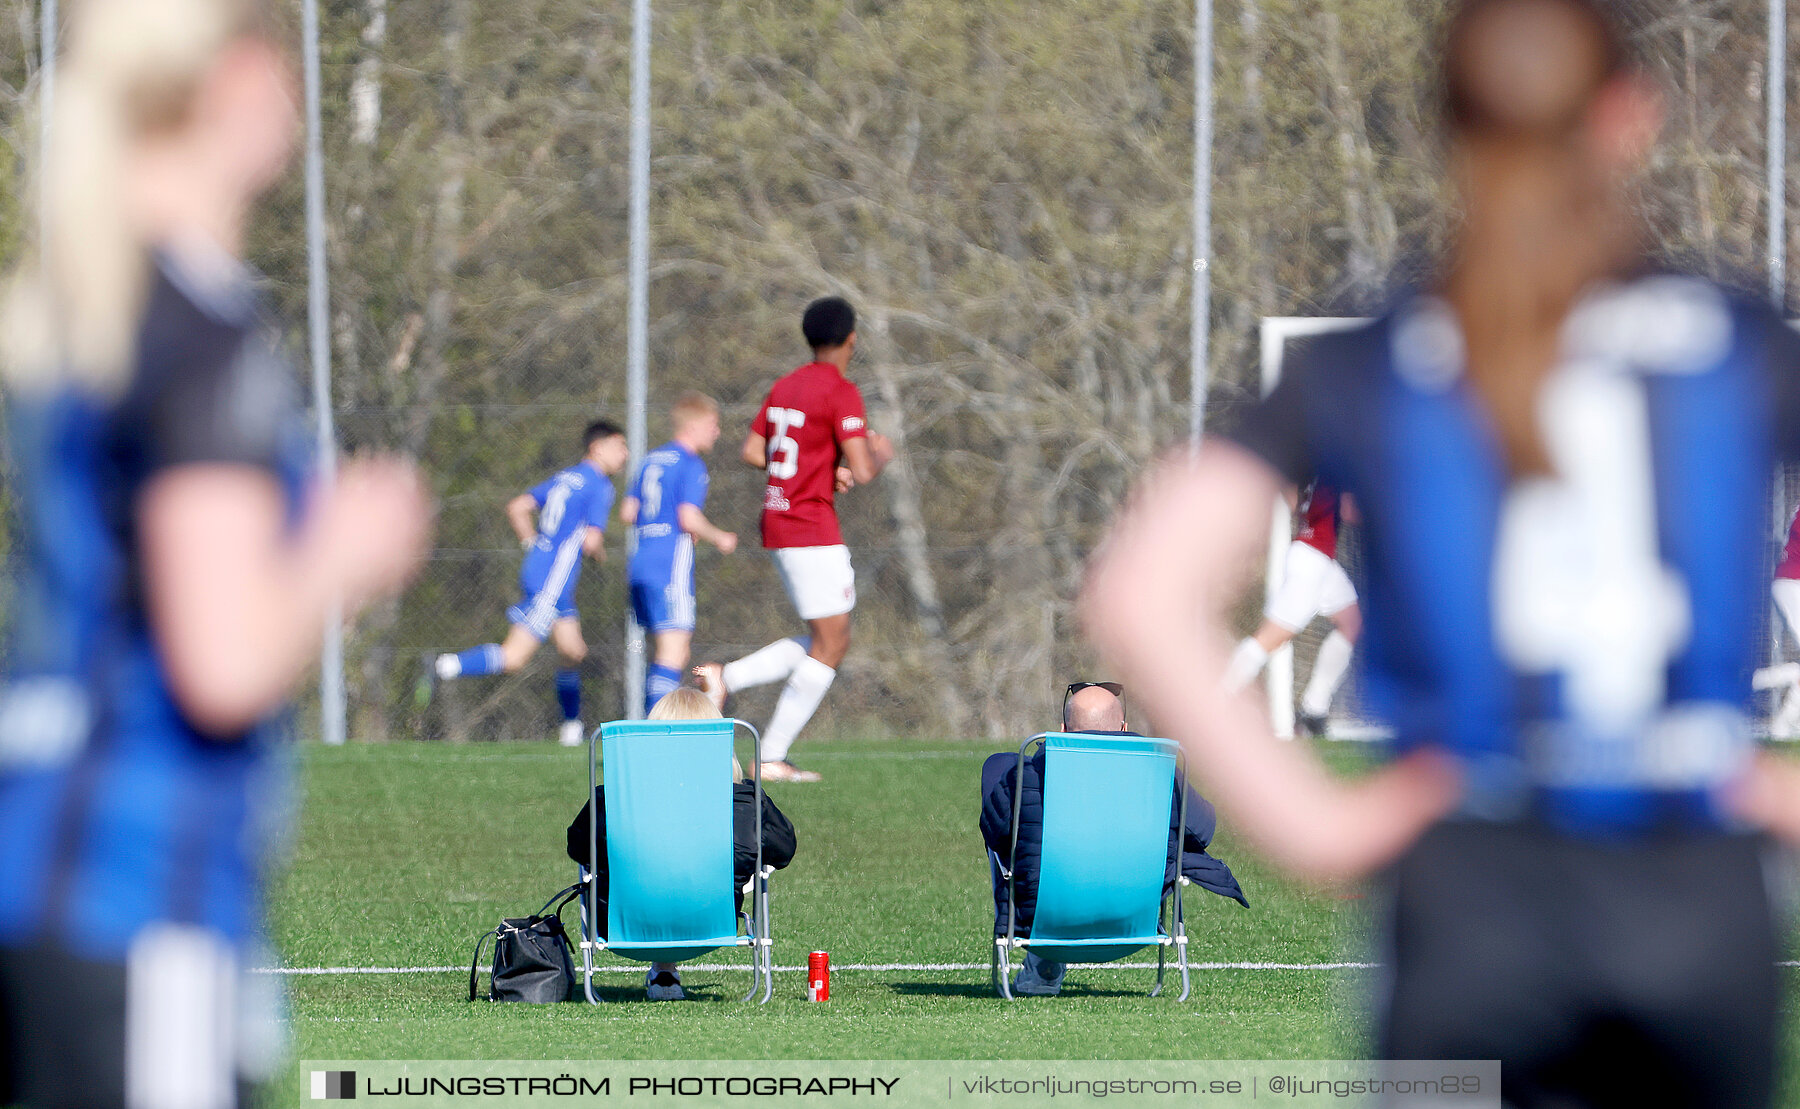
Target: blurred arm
{"type": "Point", "coordinates": [628, 510]}
{"type": "Point", "coordinates": [1768, 796]}
{"type": "Point", "coordinates": [237, 602]}
{"type": "Point", "coordinates": [1187, 545]}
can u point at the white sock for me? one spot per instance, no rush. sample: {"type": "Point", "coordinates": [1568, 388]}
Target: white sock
{"type": "Point", "coordinates": [773, 663]}
{"type": "Point", "coordinates": [1246, 663]}
{"type": "Point", "coordinates": [1329, 666]}
{"type": "Point", "coordinates": [1787, 718]}
{"type": "Point", "coordinates": [1774, 677]}
{"type": "Point", "coordinates": [800, 698]}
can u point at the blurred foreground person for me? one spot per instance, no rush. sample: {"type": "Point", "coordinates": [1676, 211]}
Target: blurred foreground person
{"type": "Point", "coordinates": [177, 569]}
{"type": "Point", "coordinates": [1562, 463]}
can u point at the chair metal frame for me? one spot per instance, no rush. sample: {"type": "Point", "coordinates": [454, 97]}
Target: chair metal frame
{"type": "Point", "coordinates": [1167, 936]}
{"type": "Point", "coordinates": [756, 922]}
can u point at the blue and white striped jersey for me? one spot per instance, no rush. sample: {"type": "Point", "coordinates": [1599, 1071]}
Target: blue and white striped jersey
{"type": "Point", "coordinates": [1583, 640]}
{"type": "Point", "coordinates": [670, 477]}
{"type": "Point", "coordinates": [115, 811]}
{"type": "Point", "coordinates": [569, 502]}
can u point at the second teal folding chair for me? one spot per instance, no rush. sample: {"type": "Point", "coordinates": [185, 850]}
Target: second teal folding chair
{"type": "Point", "coordinates": [1105, 854]}
{"type": "Point", "coordinates": [669, 897]}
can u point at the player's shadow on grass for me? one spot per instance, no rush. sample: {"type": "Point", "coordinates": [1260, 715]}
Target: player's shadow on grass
{"type": "Point", "coordinates": [986, 989]}
{"type": "Point", "coordinates": [941, 989]}
{"type": "Point", "coordinates": [633, 993]}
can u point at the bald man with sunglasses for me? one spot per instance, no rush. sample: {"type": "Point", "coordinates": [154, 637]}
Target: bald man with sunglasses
{"type": "Point", "coordinates": [1094, 708]}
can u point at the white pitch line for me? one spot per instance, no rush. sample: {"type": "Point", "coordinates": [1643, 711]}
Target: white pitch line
{"type": "Point", "coordinates": [908, 756]}
{"type": "Point", "coordinates": [974, 751]}
{"type": "Point", "coordinates": [876, 967]}
{"type": "Point", "coordinates": [309, 972]}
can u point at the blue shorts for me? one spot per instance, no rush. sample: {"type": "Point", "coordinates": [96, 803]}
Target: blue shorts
{"type": "Point", "coordinates": [547, 593]}
{"type": "Point", "coordinates": [664, 607]}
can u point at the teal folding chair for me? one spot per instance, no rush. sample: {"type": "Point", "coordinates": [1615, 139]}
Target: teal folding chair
{"type": "Point", "coordinates": [669, 848]}
{"type": "Point", "coordinates": [1105, 854]}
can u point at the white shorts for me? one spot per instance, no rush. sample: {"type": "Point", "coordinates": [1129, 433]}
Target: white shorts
{"type": "Point", "coordinates": [1786, 592]}
{"type": "Point", "coordinates": [1310, 584]}
{"type": "Point", "coordinates": [818, 580]}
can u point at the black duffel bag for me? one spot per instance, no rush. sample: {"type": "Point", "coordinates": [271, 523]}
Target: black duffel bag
{"type": "Point", "coordinates": [532, 958]}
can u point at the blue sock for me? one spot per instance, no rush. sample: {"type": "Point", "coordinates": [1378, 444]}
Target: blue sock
{"type": "Point", "coordinates": [478, 661]}
{"type": "Point", "coordinates": [568, 693]}
{"type": "Point", "coordinates": [658, 683]}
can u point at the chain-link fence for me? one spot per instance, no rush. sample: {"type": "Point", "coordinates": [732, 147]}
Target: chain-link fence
{"type": "Point", "coordinates": [1002, 189]}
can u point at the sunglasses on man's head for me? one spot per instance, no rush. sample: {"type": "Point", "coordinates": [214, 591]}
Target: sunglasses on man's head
{"type": "Point", "coordinates": [1117, 689]}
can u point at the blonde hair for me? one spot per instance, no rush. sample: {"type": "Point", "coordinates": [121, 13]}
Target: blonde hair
{"type": "Point", "coordinates": [687, 703]}
{"type": "Point", "coordinates": [690, 406]}
{"type": "Point", "coordinates": [684, 703]}
{"type": "Point", "coordinates": [132, 70]}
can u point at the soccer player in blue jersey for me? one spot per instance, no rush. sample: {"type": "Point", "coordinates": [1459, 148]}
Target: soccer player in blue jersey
{"type": "Point", "coordinates": [1562, 460]}
{"type": "Point", "coordinates": [667, 505]}
{"type": "Point", "coordinates": [558, 522]}
{"type": "Point", "coordinates": [176, 565]}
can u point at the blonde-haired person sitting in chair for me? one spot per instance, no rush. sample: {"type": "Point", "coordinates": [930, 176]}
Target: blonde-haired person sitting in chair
{"type": "Point", "coordinates": [663, 981]}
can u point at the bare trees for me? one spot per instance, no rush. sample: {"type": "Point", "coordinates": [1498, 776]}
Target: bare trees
{"type": "Point", "coordinates": [1002, 188]}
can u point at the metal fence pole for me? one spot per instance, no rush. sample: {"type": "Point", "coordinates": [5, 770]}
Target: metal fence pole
{"type": "Point", "coordinates": [332, 709]}
{"type": "Point", "coordinates": [638, 315]}
{"type": "Point", "coordinates": [1775, 154]}
{"type": "Point", "coordinates": [1202, 297]}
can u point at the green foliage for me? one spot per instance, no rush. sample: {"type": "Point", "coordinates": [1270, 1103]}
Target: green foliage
{"type": "Point", "coordinates": [1004, 189]}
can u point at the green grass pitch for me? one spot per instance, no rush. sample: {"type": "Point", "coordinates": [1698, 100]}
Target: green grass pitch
{"type": "Point", "coordinates": [406, 852]}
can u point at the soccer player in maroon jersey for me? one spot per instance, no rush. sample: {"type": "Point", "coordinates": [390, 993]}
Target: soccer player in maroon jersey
{"type": "Point", "coordinates": [1312, 582]}
{"type": "Point", "coordinates": [812, 439]}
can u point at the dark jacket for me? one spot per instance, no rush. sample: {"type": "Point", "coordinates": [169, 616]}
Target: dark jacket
{"type": "Point", "coordinates": [778, 840]}
{"type": "Point", "coordinates": [998, 774]}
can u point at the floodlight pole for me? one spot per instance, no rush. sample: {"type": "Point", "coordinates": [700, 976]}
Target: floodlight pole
{"type": "Point", "coordinates": [638, 317]}
{"type": "Point", "coordinates": [332, 707]}
{"type": "Point", "coordinates": [1776, 151]}
{"type": "Point", "coordinates": [1201, 322]}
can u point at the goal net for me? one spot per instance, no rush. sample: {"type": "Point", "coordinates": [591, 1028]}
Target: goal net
{"type": "Point", "coordinates": [1283, 337]}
